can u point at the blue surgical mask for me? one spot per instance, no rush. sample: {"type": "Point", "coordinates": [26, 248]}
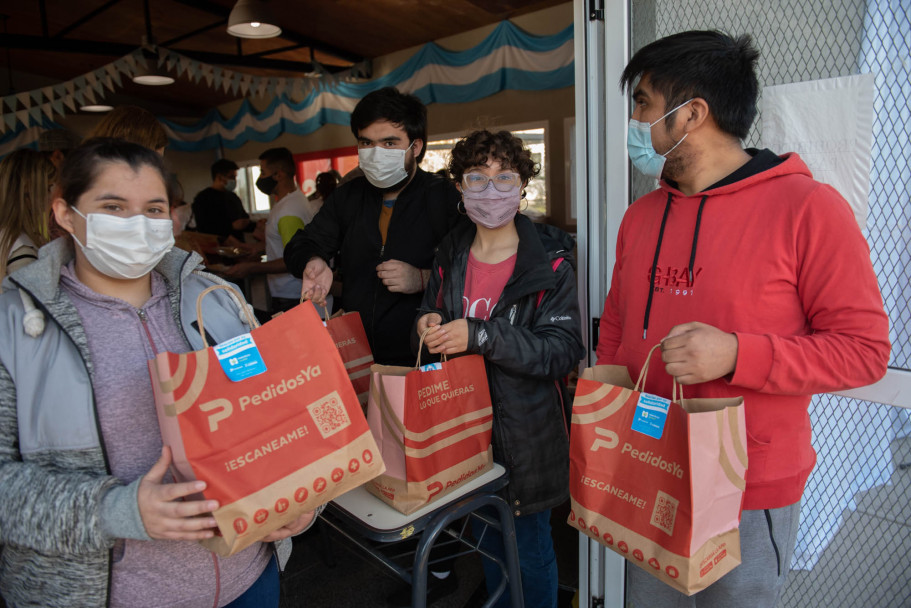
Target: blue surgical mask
{"type": "Point", "coordinates": [641, 151]}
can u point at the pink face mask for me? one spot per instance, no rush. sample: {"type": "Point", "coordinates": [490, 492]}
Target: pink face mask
{"type": "Point", "coordinates": [490, 207]}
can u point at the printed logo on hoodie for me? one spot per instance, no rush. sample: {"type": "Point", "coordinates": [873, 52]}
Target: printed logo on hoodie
{"type": "Point", "coordinates": [673, 280]}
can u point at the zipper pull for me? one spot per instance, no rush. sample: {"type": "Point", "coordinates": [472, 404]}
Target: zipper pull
{"type": "Point", "coordinates": [382, 249]}
{"type": "Point", "coordinates": [144, 318]}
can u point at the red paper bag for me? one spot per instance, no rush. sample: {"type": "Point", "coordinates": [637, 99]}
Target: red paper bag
{"type": "Point", "coordinates": [670, 505]}
{"type": "Point", "coordinates": [271, 446]}
{"type": "Point", "coordinates": [433, 429]}
{"type": "Point", "coordinates": [347, 331]}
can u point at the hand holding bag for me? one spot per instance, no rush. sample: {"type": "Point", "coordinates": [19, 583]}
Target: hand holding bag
{"type": "Point", "coordinates": [285, 436]}
{"type": "Point", "coordinates": [658, 481]}
{"type": "Point", "coordinates": [433, 426]}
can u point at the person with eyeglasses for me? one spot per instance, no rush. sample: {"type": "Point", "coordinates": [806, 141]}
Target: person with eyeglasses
{"type": "Point", "coordinates": [505, 288]}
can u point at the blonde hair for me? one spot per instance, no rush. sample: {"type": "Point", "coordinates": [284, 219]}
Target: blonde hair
{"type": "Point", "coordinates": [25, 181]}
{"type": "Point", "coordinates": [134, 124]}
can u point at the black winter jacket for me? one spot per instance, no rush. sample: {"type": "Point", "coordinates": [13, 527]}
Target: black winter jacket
{"type": "Point", "coordinates": [347, 228]}
{"type": "Point", "coordinates": [528, 347]}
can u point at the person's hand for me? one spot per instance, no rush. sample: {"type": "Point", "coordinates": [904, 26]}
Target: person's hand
{"type": "Point", "coordinates": [400, 277]}
{"type": "Point", "coordinates": [259, 233]}
{"type": "Point", "coordinates": [240, 270]}
{"type": "Point", "coordinates": [448, 339]}
{"type": "Point", "coordinates": [290, 529]}
{"type": "Point", "coordinates": [431, 319]}
{"type": "Point", "coordinates": [167, 517]}
{"type": "Point", "coordinates": [317, 280]}
{"type": "Point", "coordinates": [696, 352]}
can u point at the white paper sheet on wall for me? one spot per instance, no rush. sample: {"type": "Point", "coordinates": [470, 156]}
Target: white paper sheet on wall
{"type": "Point", "coordinates": [830, 124]}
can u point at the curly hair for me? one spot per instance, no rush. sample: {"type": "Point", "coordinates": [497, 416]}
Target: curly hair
{"type": "Point", "coordinates": [482, 146]}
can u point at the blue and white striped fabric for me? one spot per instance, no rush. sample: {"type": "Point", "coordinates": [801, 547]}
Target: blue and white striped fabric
{"type": "Point", "coordinates": [507, 59]}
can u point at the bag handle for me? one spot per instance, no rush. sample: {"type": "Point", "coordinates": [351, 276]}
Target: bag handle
{"type": "Point", "coordinates": [640, 383]}
{"type": "Point", "coordinates": [417, 365]}
{"type": "Point", "coordinates": [323, 317]}
{"type": "Point", "coordinates": [251, 320]}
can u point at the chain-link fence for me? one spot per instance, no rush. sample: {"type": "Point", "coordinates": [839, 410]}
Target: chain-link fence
{"type": "Point", "coordinates": [854, 543]}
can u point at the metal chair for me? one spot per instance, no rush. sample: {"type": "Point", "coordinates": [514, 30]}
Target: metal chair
{"type": "Point", "coordinates": [361, 517]}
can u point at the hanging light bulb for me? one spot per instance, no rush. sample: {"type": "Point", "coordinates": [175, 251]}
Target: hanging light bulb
{"type": "Point", "coordinates": [252, 19]}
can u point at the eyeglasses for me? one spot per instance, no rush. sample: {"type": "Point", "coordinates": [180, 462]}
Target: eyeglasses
{"type": "Point", "coordinates": [504, 182]}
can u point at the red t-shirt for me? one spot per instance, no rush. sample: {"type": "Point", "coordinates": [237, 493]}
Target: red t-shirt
{"type": "Point", "coordinates": [484, 284]}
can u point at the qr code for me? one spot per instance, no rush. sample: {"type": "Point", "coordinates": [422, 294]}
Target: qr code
{"type": "Point", "coordinates": [329, 414]}
{"type": "Point", "coordinates": [665, 512]}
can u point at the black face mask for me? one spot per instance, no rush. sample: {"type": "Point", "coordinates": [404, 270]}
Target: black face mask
{"type": "Point", "coordinates": [266, 185]}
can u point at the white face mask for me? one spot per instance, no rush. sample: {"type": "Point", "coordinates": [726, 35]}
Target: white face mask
{"type": "Point", "coordinates": [125, 247]}
{"type": "Point", "coordinates": [383, 167]}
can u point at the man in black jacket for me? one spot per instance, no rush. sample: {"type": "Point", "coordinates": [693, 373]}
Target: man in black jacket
{"type": "Point", "coordinates": [217, 209]}
{"type": "Point", "coordinates": [381, 228]}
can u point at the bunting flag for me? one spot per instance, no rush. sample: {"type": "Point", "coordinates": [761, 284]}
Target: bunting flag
{"type": "Point", "coordinates": [508, 58]}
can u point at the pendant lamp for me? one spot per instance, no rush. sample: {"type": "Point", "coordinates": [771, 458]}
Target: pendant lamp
{"type": "Point", "coordinates": [150, 74]}
{"type": "Point", "coordinates": [252, 19]}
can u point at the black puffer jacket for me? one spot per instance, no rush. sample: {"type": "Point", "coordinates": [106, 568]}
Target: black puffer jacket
{"type": "Point", "coordinates": [347, 227]}
{"type": "Point", "coordinates": [528, 347]}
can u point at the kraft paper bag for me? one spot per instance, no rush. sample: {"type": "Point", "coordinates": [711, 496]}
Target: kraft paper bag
{"type": "Point", "coordinates": [667, 495]}
{"type": "Point", "coordinates": [347, 330]}
{"type": "Point", "coordinates": [282, 437]}
{"type": "Point", "coordinates": [433, 429]}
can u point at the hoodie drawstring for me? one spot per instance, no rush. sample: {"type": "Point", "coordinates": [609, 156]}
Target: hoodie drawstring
{"type": "Point", "coordinates": [651, 282]}
{"type": "Point", "coordinates": [696, 238]}
{"type": "Point", "coordinates": [692, 263]}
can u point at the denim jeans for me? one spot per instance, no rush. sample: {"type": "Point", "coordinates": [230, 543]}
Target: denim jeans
{"type": "Point", "coordinates": [264, 593]}
{"type": "Point", "coordinates": [537, 560]}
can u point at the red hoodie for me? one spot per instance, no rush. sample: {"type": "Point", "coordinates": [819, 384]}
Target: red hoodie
{"type": "Point", "coordinates": [780, 262]}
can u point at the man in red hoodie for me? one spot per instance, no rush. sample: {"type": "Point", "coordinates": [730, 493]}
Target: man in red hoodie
{"type": "Point", "coordinates": [754, 278]}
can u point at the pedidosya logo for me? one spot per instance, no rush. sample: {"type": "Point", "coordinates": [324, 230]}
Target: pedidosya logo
{"type": "Point", "coordinates": [221, 409]}
{"type": "Point", "coordinates": [608, 439]}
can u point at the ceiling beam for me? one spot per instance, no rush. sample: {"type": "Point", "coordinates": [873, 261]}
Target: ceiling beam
{"type": "Point", "coordinates": [195, 32]}
{"type": "Point", "coordinates": [86, 17]}
{"type": "Point", "coordinates": [213, 8]}
{"type": "Point", "coordinates": [117, 49]}
{"type": "Point", "coordinates": [276, 51]}
{"type": "Point", "coordinates": [42, 10]}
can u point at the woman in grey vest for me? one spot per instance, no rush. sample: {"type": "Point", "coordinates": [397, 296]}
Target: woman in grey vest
{"type": "Point", "coordinates": [88, 513]}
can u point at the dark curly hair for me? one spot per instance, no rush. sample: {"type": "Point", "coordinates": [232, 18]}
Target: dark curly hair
{"type": "Point", "coordinates": [482, 146]}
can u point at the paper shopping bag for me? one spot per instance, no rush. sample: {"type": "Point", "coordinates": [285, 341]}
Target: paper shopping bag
{"type": "Point", "coordinates": [282, 437]}
{"type": "Point", "coordinates": [658, 481]}
{"type": "Point", "coordinates": [433, 429]}
{"type": "Point", "coordinates": [347, 331]}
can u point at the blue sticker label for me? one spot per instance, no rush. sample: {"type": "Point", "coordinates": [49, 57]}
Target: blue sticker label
{"type": "Point", "coordinates": [431, 367]}
{"type": "Point", "coordinates": [651, 414]}
{"type": "Point", "coordinates": [240, 358]}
